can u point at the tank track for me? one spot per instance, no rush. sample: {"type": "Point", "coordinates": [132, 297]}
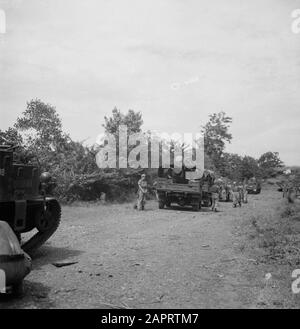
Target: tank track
{"type": "Point", "coordinates": [41, 237]}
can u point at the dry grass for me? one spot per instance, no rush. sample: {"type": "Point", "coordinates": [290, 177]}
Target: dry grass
{"type": "Point", "coordinates": [278, 236]}
{"type": "Point", "coordinates": [274, 241]}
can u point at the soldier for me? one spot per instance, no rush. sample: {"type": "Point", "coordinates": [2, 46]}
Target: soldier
{"type": "Point", "coordinates": [241, 191]}
{"type": "Point", "coordinates": [292, 194]}
{"type": "Point", "coordinates": [245, 193]}
{"type": "Point", "coordinates": [215, 197]}
{"type": "Point", "coordinates": [284, 190]}
{"type": "Point", "coordinates": [236, 195]}
{"type": "Point", "coordinates": [223, 193]}
{"type": "Point", "coordinates": [142, 191]}
{"type": "Point", "coordinates": [228, 190]}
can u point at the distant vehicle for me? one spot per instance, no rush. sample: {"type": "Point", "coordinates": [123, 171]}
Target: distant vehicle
{"type": "Point", "coordinates": [173, 187]}
{"type": "Point", "coordinates": [254, 186]}
{"type": "Point", "coordinates": [23, 203]}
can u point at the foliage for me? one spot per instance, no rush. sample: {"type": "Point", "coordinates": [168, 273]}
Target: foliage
{"type": "Point", "coordinates": [42, 124]}
{"type": "Point", "coordinates": [11, 136]}
{"type": "Point", "coordinates": [216, 133]}
{"type": "Point", "coordinates": [39, 133]}
{"type": "Point", "coordinates": [133, 121]}
{"type": "Point", "coordinates": [250, 168]}
{"type": "Point", "coordinates": [269, 162]}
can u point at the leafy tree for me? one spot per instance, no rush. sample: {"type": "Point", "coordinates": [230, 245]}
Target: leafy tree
{"type": "Point", "coordinates": [269, 162]}
{"type": "Point", "coordinates": [238, 168]}
{"type": "Point", "coordinates": [11, 136]}
{"type": "Point", "coordinates": [41, 124]}
{"type": "Point", "coordinates": [41, 128]}
{"type": "Point", "coordinates": [216, 134]}
{"type": "Point", "coordinates": [250, 167]}
{"type": "Point", "coordinates": [232, 166]}
{"type": "Point", "coordinates": [133, 120]}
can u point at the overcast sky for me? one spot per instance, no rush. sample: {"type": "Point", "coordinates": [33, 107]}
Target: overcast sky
{"type": "Point", "coordinates": [176, 61]}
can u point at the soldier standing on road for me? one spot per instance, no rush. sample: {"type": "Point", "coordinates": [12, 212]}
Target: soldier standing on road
{"type": "Point", "coordinates": [142, 191]}
{"type": "Point", "coordinates": [215, 197]}
{"type": "Point", "coordinates": [228, 190]}
{"type": "Point", "coordinates": [245, 193]}
{"type": "Point", "coordinates": [236, 195]}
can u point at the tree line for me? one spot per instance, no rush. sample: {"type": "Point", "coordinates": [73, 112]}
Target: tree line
{"type": "Point", "coordinates": [39, 133]}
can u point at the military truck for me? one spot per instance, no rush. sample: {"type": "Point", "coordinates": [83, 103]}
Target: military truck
{"type": "Point", "coordinates": [254, 186]}
{"type": "Point", "coordinates": [174, 187]}
{"type": "Point", "coordinates": [23, 202]}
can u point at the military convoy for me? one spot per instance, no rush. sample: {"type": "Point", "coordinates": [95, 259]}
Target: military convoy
{"type": "Point", "coordinates": [23, 202]}
{"type": "Point", "coordinates": [173, 186]}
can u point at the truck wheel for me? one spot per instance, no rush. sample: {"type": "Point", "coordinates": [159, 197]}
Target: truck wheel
{"type": "Point", "coordinates": [161, 204]}
{"type": "Point", "coordinates": [168, 203]}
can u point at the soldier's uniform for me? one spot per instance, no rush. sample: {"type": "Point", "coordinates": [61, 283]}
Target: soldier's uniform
{"type": "Point", "coordinates": [292, 194]}
{"type": "Point", "coordinates": [223, 194]}
{"type": "Point", "coordinates": [245, 194]}
{"type": "Point", "coordinates": [215, 197]}
{"type": "Point", "coordinates": [236, 196]}
{"type": "Point", "coordinates": [228, 192]}
{"type": "Point", "coordinates": [142, 185]}
{"type": "Point", "coordinates": [284, 190]}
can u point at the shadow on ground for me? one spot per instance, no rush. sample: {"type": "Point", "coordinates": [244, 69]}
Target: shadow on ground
{"type": "Point", "coordinates": [35, 296]}
{"type": "Point", "coordinates": [48, 254]}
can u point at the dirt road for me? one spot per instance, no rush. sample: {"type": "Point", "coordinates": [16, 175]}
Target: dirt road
{"type": "Point", "coordinates": [153, 259]}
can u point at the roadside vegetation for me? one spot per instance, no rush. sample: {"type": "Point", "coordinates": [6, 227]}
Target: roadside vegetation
{"type": "Point", "coordinates": [39, 133]}
{"type": "Point", "coordinates": [273, 242]}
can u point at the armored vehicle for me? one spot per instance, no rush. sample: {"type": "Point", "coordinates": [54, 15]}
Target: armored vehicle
{"type": "Point", "coordinates": [23, 202]}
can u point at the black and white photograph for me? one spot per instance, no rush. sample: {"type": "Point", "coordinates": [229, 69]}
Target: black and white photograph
{"type": "Point", "coordinates": [149, 157]}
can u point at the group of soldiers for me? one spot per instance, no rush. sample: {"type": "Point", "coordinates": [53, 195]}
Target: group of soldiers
{"type": "Point", "coordinates": [222, 191]}
{"type": "Point", "coordinates": [290, 191]}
